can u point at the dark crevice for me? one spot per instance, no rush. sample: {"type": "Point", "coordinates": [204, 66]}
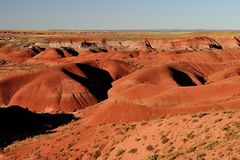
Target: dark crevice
{"type": "Point", "coordinates": [17, 123]}
{"type": "Point", "coordinates": [60, 52]}
{"type": "Point", "coordinates": [98, 50]}
{"type": "Point", "coordinates": [77, 100]}
{"type": "Point", "coordinates": [93, 47]}
{"type": "Point", "coordinates": [215, 46]}
{"type": "Point", "coordinates": [181, 78]}
{"type": "Point", "coordinates": [88, 45]}
{"type": "Point", "coordinates": [148, 45]}
{"type": "Point", "coordinates": [238, 41]}
{"type": "Point", "coordinates": [201, 79]}
{"type": "Point", "coordinates": [37, 49]}
{"type": "Point", "coordinates": [98, 81]}
{"type": "Point", "coordinates": [71, 51]}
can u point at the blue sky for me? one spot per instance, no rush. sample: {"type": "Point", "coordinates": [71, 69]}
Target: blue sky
{"type": "Point", "coordinates": [119, 14]}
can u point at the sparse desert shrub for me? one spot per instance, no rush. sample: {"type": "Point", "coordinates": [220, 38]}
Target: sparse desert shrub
{"type": "Point", "coordinates": [159, 125]}
{"type": "Point", "coordinates": [133, 126]}
{"type": "Point", "coordinates": [120, 152]}
{"type": "Point", "coordinates": [164, 139]}
{"type": "Point", "coordinates": [235, 158]}
{"type": "Point", "coordinates": [96, 155]}
{"type": "Point", "coordinates": [220, 154]}
{"type": "Point", "coordinates": [134, 150]}
{"type": "Point", "coordinates": [237, 124]}
{"type": "Point", "coordinates": [207, 137]}
{"type": "Point", "coordinates": [231, 134]}
{"type": "Point", "coordinates": [77, 133]}
{"type": "Point", "coordinates": [228, 112]}
{"type": "Point", "coordinates": [111, 149]}
{"type": "Point", "coordinates": [106, 155]}
{"type": "Point", "coordinates": [230, 149]}
{"type": "Point", "coordinates": [171, 149]}
{"type": "Point", "coordinates": [137, 139]}
{"type": "Point", "coordinates": [190, 135]}
{"type": "Point", "coordinates": [218, 120]}
{"type": "Point", "coordinates": [70, 145]}
{"type": "Point", "coordinates": [207, 83]}
{"type": "Point", "coordinates": [150, 147]}
{"type": "Point", "coordinates": [191, 149]}
{"type": "Point", "coordinates": [156, 151]}
{"type": "Point", "coordinates": [201, 156]}
{"type": "Point", "coordinates": [206, 129]}
{"type": "Point", "coordinates": [193, 115]}
{"type": "Point", "coordinates": [95, 145]}
{"type": "Point", "coordinates": [113, 125]}
{"type": "Point", "coordinates": [184, 120]}
{"type": "Point", "coordinates": [173, 155]}
{"type": "Point", "coordinates": [201, 114]}
{"type": "Point", "coordinates": [153, 157]}
{"type": "Point", "coordinates": [126, 129]}
{"type": "Point", "coordinates": [144, 123]}
{"type": "Point", "coordinates": [185, 140]}
{"type": "Point", "coordinates": [102, 124]}
{"type": "Point", "coordinates": [194, 120]}
{"type": "Point", "coordinates": [144, 137]}
{"type": "Point", "coordinates": [212, 145]}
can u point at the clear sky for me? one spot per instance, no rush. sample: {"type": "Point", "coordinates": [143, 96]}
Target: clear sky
{"type": "Point", "coordinates": [119, 14]}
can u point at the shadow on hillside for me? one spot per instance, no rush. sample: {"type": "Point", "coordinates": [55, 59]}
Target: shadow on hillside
{"type": "Point", "coordinates": [181, 78]}
{"type": "Point", "coordinates": [17, 123]}
{"type": "Point", "coordinates": [97, 81]}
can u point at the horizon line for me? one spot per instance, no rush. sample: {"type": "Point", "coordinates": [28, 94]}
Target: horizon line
{"type": "Point", "coordinates": [124, 30]}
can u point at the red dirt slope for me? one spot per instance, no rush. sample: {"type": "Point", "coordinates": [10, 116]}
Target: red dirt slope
{"type": "Point", "coordinates": [134, 98]}
{"type": "Point", "coordinates": [62, 88]}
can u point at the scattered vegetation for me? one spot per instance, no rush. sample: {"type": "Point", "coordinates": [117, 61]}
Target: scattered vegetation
{"type": "Point", "coordinates": [211, 145]}
{"type": "Point", "coordinates": [134, 150]}
{"type": "Point", "coordinates": [191, 149]}
{"type": "Point", "coordinates": [164, 139]}
{"type": "Point", "coordinates": [218, 120]}
{"type": "Point", "coordinates": [153, 157]}
{"type": "Point", "coordinates": [150, 147]}
{"type": "Point", "coordinates": [194, 120]}
{"type": "Point", "coordinates": [96, 155]}
{"type": "Point", "coordinates": [201, 156]}
{"type": "Point", "coordinates": [120, 152]}
{"type": "Point", "coordinates": [191, 135]}
{"type": "Point", "coordinates": [202, 114]}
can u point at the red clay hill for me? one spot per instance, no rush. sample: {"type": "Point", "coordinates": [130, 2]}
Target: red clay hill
{"type": "Point", "coordinates": [148, 98]}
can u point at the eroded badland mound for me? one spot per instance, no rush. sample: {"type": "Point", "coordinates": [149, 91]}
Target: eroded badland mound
{"type": "Point", "coordinates": [144, 98]}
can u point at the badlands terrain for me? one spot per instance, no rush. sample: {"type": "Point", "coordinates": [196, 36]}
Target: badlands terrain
{"type": "Point", "coordinates": [119, 95]}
